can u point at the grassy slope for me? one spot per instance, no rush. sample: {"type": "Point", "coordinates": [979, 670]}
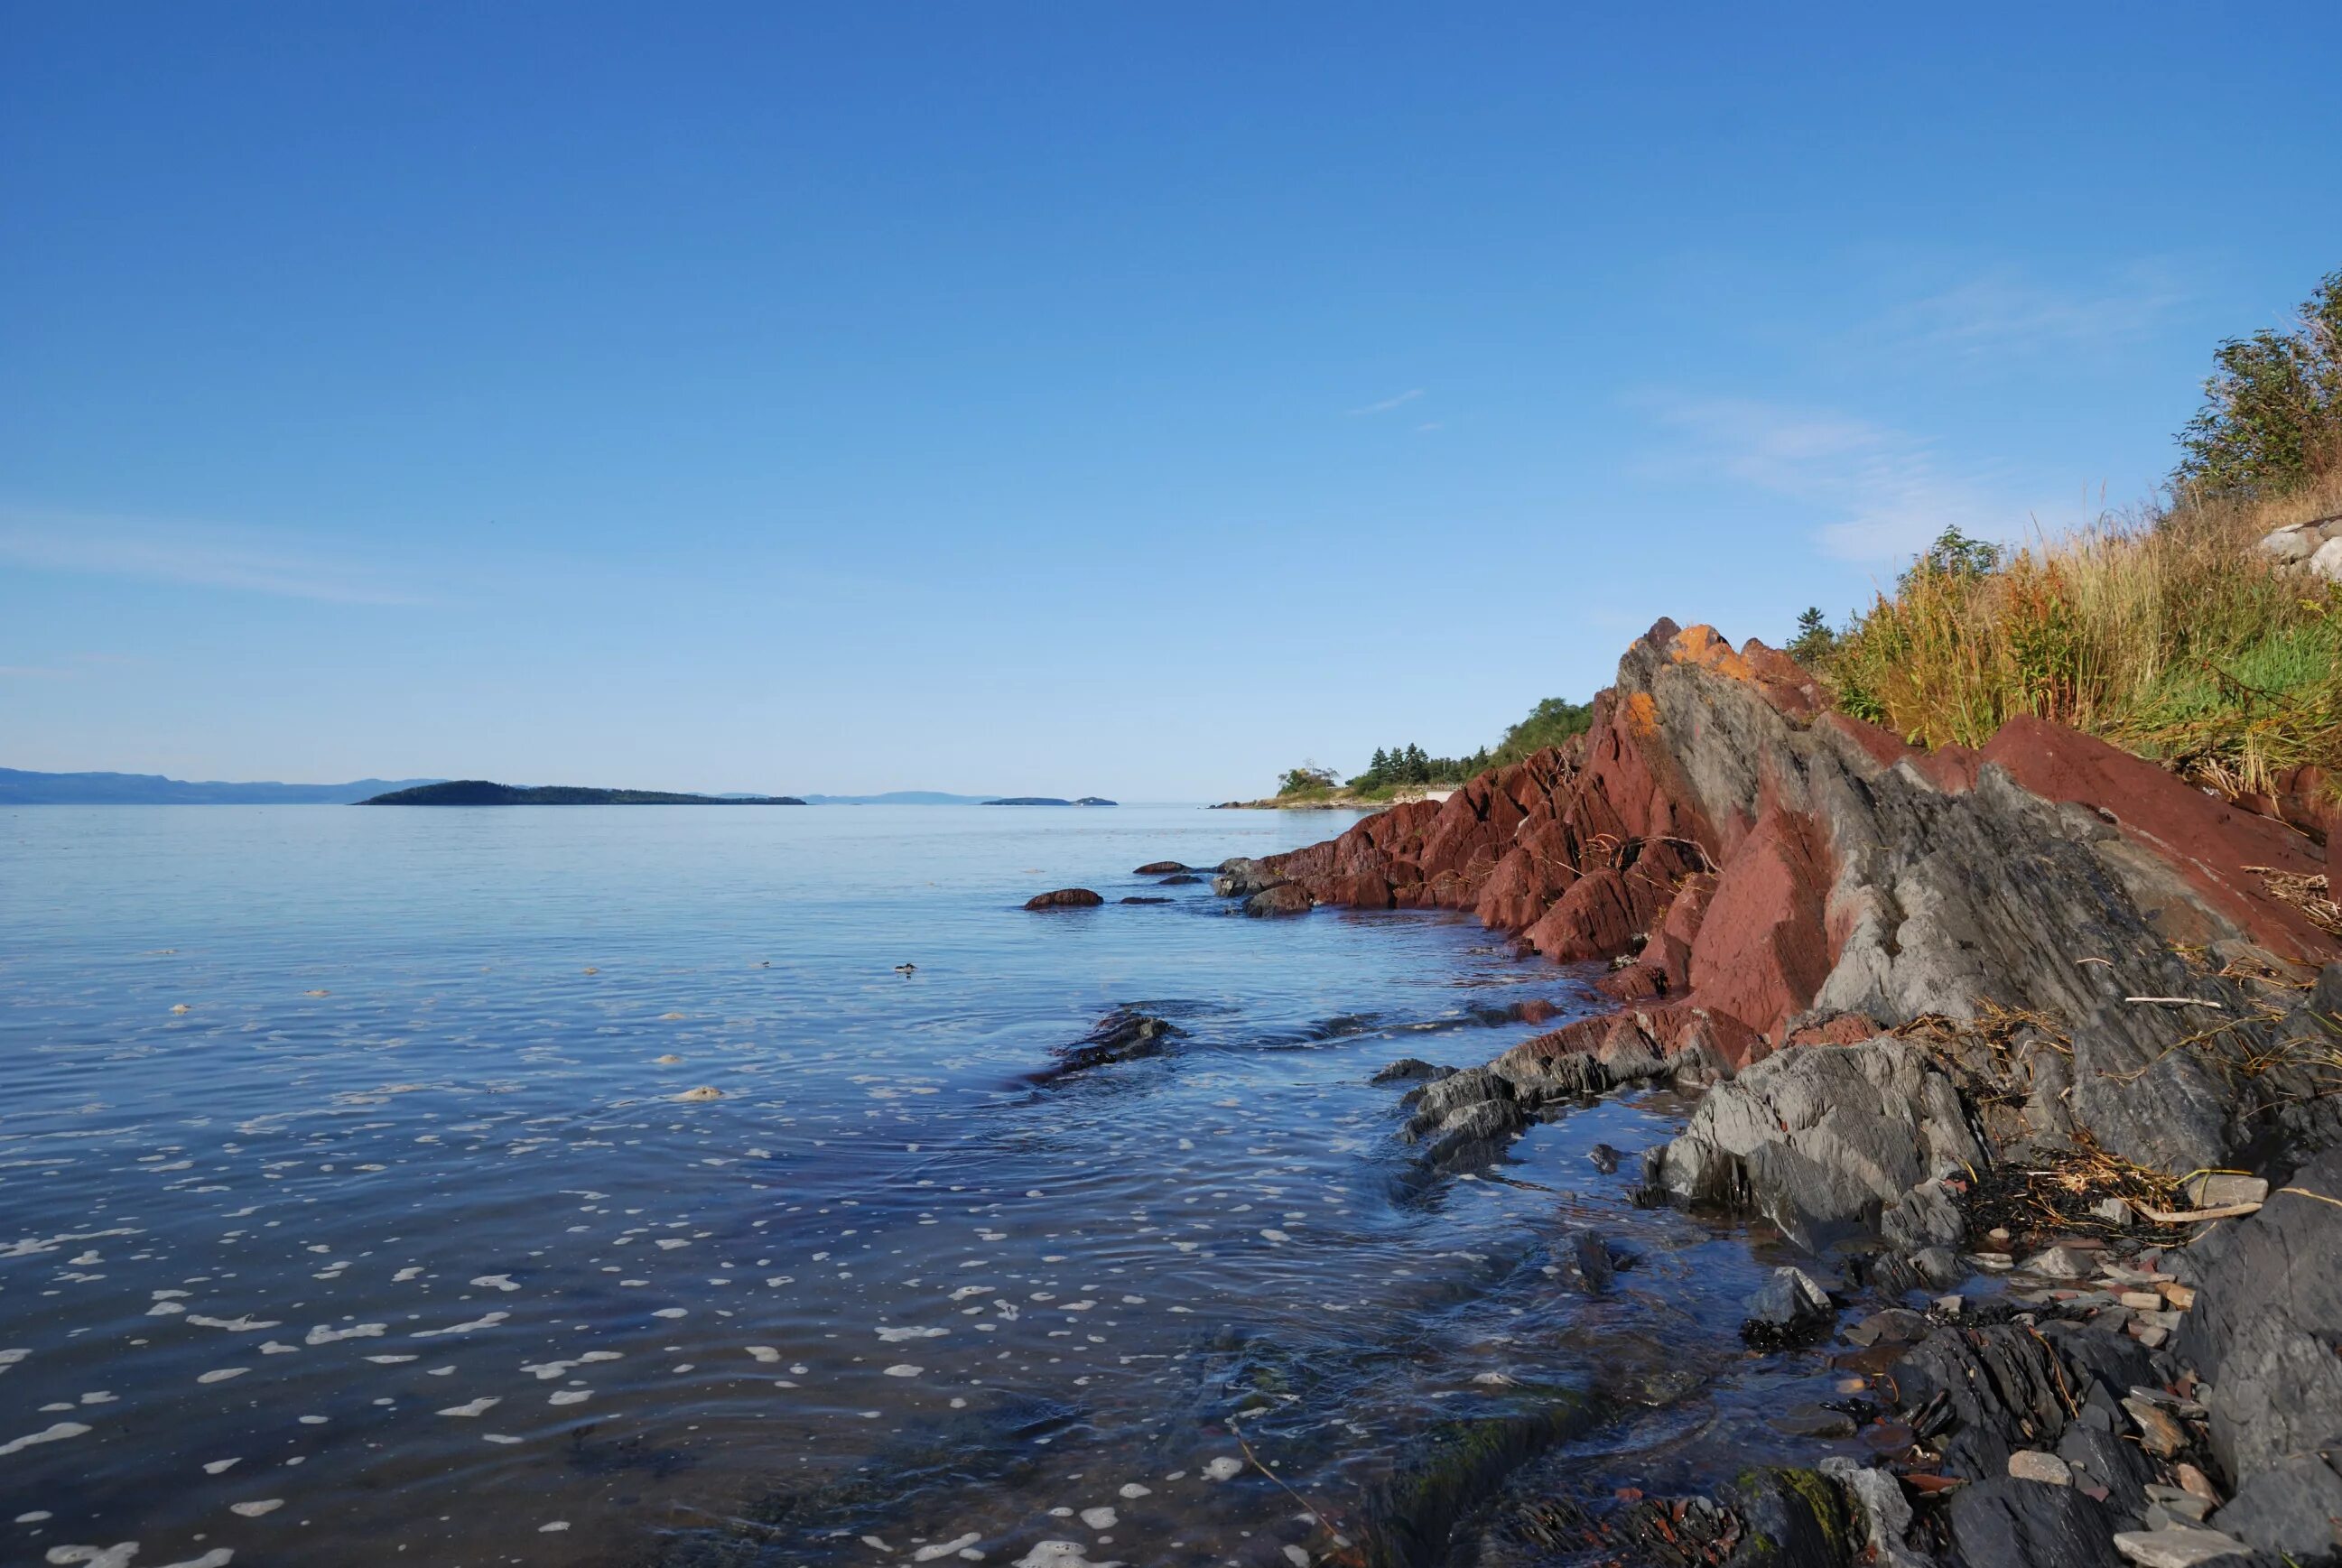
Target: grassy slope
{"type": "Point", "coordinates": [2170, 635]}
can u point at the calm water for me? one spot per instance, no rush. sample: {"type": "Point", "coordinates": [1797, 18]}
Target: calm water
{"type": "Point", "coordinates": [348, 1213]}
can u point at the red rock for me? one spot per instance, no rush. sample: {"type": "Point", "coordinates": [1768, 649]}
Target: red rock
{"type": "Point", "coordinates": [1065, 898]}
{"type": "Point", "coordinates": [2210, 842]}
{"type": "Point", "coordinates": [1763, 951]}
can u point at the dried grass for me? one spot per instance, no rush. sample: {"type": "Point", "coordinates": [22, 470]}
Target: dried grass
{"type": "Point", "coordinates": [2168, 633]}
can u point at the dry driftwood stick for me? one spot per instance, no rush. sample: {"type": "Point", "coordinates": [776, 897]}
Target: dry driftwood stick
{"type": "Point", "coordinates": [2190, 1217]}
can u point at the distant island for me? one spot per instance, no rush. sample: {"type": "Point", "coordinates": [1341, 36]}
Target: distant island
{"type": "Point", "coordinates": [899, 797]}
{"type": "Point", "coordinates": [481, 792]}
{"type": "Point", "coordinates": [20, 787]}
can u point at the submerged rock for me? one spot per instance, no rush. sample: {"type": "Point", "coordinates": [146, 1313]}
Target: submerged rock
{"type": "Point", "coordinates": [1122, 1035]}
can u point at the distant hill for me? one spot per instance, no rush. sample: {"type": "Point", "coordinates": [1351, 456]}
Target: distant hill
{"type": "Point", "coordinates": [1049, 800]}
{"type": "Point", "coordinates": [480, 792]}
{"type": "Point", "coordinates": [898, 798]}
{"type": "Point", "coordinates": [20, 787]}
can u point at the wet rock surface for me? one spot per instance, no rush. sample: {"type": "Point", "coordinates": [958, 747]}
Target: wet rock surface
{"type": "Point", "coordinates": [1122, 1035]}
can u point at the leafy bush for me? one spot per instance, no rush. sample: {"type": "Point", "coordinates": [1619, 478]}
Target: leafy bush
{"type": "Point", "coordinates": [2272, 414]}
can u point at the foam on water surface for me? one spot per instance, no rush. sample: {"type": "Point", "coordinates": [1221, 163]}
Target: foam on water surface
{"type": "Point", "coordinates": [410, 1163]}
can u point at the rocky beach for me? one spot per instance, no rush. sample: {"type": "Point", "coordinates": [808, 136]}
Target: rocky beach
{"type": "Point", "coordinates": [2028, 1051]}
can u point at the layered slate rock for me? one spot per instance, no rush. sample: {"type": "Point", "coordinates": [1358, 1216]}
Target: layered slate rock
{"type": "Point", "coordinates": [2265, 1333]}
{"type": "Point", "coordinates": [1827, 1141]}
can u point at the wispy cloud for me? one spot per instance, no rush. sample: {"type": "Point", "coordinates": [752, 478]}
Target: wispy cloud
{"type": "Point", "coordinates": [1885, 494]}
{"type": "Point", "coordinates": [242, 560]}
{"type": "Point", "coordinates": [2005, 310]}
{"type": "Point", "coordinates": [32, 672]}
{"type": "Point", "coordinates": [1387, 403]}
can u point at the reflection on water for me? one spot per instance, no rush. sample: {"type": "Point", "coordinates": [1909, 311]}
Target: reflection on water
{"type": "Point", "coordinates": [356, 1205]}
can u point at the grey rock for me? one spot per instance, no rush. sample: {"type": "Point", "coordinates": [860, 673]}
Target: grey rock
{"type": "Point", "coordinates": [2176, 1546]}
{"type": "Point", "coordinates": [1463, 1113]}
{"type": "Point", "coordinates": [1895, 1324]}
{"type": "Point", "coordinates": [1122, 1035]}
{"type": "Point", "coordinates": [2005, 1523]}
{"type": "Point", "coordinates": [2061, 1263]}
{"type": "Point", "coordinates": [1886, 1511]}
{"type": "Point", "coordinates": [1814, 1421]}
{"type": "Point", "coordinates": [1826, 1138]}
{"type": "Point", "coordinates": [2326, 562]}
{"type": "Point", "coordinates": [1410, 1070]}
{"type": "Point", "coordinates": [2293, 1506]}
{"type": "Point", "coordinates": [2264, 1325]}
{"type": "Point", "coordinates": [1786, 1308]}
{"type": "Point", "coordinates": [1591, 1254]}
{"type": "Point", "coordinates": [2003, 1387]}
{"type": "Point", "coordinates": [2290, 544]}
{"type": "Point", "coordinates": [1242, 877]}
{"type": "Point", "coordinates": [1939, 1266]}
{"type": "Point", "coordinates": [2098, 1458]}
{"type": "Point", "coordinates": [1285, 898]}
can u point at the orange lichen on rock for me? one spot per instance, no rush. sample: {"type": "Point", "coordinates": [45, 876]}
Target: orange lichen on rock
{"type": "Point", "coordinates": [1701, 645]}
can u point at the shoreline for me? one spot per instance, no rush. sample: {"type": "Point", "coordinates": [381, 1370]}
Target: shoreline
{"type": "Point", "coordinates": [1341, 800]}
{"type": "Point", "coordinates": [2018, 1047]}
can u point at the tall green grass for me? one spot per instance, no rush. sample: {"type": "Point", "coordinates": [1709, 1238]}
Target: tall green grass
{"type": "Point", "coordinates": [2166, 633]}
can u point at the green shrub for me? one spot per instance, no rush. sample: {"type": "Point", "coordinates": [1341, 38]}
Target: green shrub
{"type": "Point", "coordinates": [2272, 414]}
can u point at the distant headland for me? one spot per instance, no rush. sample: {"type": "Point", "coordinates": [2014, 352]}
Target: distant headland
{"type": "Point", "coordinates": [481, 792]}
{"type": "Point", "coordinates": [19, 786]}
{"type": "Point", "coordinates": [1049, 800]}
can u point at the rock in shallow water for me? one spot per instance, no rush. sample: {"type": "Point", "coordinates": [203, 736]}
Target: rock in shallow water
{"type": "Point", "coordinates": [1786, 1309]}
{"type": "Point", "coordinates": [1285, 898]}
{"type": "Point", "coordinates": [1065, 898]}
{"type": "Point", "coordinates": [1122, 1035]}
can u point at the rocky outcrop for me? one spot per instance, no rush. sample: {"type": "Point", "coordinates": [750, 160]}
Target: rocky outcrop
{"type": "Point", "coordinates": [1766, 873]}
{"type": "Point", "coordinates": [1828, 1141]}
{"type": "Point", "coordinates": [1903, 977]}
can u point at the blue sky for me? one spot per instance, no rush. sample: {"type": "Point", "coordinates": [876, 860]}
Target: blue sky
{"type": "Point", "coordinates": [1060, 397]}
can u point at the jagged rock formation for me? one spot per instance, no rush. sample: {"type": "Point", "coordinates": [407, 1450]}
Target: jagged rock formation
{"type": "Point", "coordinates": [1767, 873]}
{"type": "Point", "coordinates": [1892, 969]}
